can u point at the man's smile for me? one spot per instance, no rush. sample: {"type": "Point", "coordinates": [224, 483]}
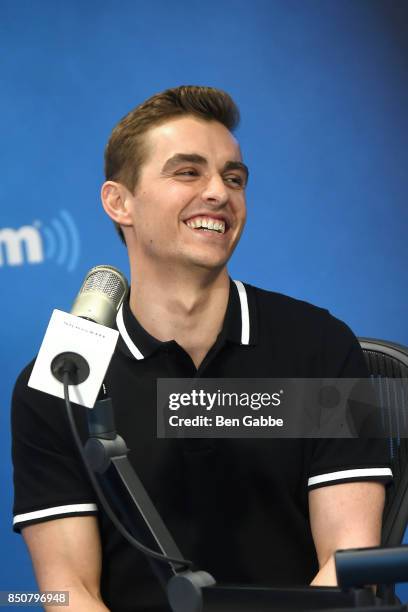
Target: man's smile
{"type": "Point", "coordinates": [207, 224]}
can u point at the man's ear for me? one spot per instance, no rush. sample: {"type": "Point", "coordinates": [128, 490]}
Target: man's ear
{"type": "Point", "coordinates": [115, 198]}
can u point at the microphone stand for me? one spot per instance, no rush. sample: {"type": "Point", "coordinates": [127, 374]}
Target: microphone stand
{"type": "Point", "coordinates": [106, 454]}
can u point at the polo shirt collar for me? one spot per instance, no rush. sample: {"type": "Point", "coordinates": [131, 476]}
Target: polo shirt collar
{"type": "Point", "coordinates": [240, 324]}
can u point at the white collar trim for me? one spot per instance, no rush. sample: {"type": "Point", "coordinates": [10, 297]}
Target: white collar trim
{"type": "Point", "coordinates": [245, 329]}
{"type": "Point", "coordinates": [126, 338]}
{"type": "Point", "coordinates": [243, 298]}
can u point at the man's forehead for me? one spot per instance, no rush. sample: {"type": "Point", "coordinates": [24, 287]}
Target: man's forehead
{"type": "Point", "coordinates": [192, 135]}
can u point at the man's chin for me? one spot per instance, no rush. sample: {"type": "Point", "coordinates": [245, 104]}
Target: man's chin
{"type": "Point", "coordinates": [209, 264]}
{"type": "Point", "coordinates": [210, 259]}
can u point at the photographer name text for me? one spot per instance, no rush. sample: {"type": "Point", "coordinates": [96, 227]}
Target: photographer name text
{"type": "Point", "coordinates": [221, 421]}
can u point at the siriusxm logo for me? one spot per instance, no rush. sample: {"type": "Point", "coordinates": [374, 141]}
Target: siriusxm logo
{"type": "Point", "coordinates": [33, 244]}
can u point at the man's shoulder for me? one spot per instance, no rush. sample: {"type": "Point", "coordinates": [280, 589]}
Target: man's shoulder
{"type": "Point", "coordinates": [21, 384]}
{"type": "Point", "coordinates": [305, 328]}
{"type": "Point", "coordinates": [282, 309]}
{"type": "Point", "coordinates": [286, 302]}
{"type": "Point", "coordinates": [29, 401]}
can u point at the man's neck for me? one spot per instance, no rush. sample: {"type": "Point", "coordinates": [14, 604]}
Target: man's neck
{"type": "Point", "coordinates": [188, 308]}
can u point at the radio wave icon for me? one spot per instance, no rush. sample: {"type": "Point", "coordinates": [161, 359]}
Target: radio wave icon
{"type": "Point", "coordinates": [62, 240]}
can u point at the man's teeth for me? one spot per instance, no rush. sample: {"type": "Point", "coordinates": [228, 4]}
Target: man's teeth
{"type": "Point", "coordinates": [206, 223]}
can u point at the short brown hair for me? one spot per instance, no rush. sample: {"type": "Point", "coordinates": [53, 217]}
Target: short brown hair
{"type": "Point", "coordinates": [126, 151]}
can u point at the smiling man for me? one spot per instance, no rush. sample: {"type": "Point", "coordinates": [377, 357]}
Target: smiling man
{"type": "Point", "coordinates": [248, 511]}
{"type": "Point", "coordinates": [181, 224]}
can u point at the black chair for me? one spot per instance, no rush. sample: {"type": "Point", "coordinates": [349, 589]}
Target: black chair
{"type": "Point", "coordinates": [386, 361]}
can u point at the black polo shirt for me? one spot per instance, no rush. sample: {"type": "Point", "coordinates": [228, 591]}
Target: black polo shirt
{"type": "Point", "coordinates": [237, 507]}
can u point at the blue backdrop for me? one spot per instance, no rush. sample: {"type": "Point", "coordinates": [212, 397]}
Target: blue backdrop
{"type": "Point", "coordinates": [323, 90]}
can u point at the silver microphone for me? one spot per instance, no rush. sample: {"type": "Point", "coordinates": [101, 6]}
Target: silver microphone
{"type": "Point", "coordinates": [99, 299]}
{"type": "Point", "coordinates": [101, 295]}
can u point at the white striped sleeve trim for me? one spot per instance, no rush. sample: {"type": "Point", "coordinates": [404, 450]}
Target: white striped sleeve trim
{"type": "Point", "coordinates": [123, 332]}
{"type": "Point", "coordinates": [245, 331]}
{"type": "Point", "coordinates": [346, 474]}
{"type": "Point", "coordinates": [38, 514]}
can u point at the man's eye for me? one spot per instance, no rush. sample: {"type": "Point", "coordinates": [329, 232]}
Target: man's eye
{"type": "Point", "coordinates": [187, 173]}
{"type": "Point", "coordinates": [235, 180]}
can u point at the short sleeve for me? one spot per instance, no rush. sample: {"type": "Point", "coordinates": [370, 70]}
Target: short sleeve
{"type": "Point", "coordinates": [49, 479]}
{"type": "Point", "coordinates": [335, 461]}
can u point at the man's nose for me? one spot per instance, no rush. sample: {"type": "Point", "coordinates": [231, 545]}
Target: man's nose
{"type": "Point", "coordinates": [215, 191]}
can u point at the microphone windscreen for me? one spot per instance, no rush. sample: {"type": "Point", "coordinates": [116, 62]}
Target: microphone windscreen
{"type": "Point", "coordinates": [101, 295]}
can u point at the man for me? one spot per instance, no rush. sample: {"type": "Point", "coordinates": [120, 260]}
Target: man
{"type": "Point", "coordinates": [249, 511]}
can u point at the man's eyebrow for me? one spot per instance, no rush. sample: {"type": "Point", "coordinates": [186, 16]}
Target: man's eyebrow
{"type": "Point", "coordinates": [178, 158]}
{"type": "Point", "coordinates": [195, 158]}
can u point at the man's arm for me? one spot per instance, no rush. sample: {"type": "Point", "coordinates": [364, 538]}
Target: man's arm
{"type": "Point", "coordinates": [346, 515]}
{"type": "Point", "coordinates": [66, 555]}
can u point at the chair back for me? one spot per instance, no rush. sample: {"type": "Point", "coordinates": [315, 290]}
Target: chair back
{"type": "Point", "coordinates": [388, 360]}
